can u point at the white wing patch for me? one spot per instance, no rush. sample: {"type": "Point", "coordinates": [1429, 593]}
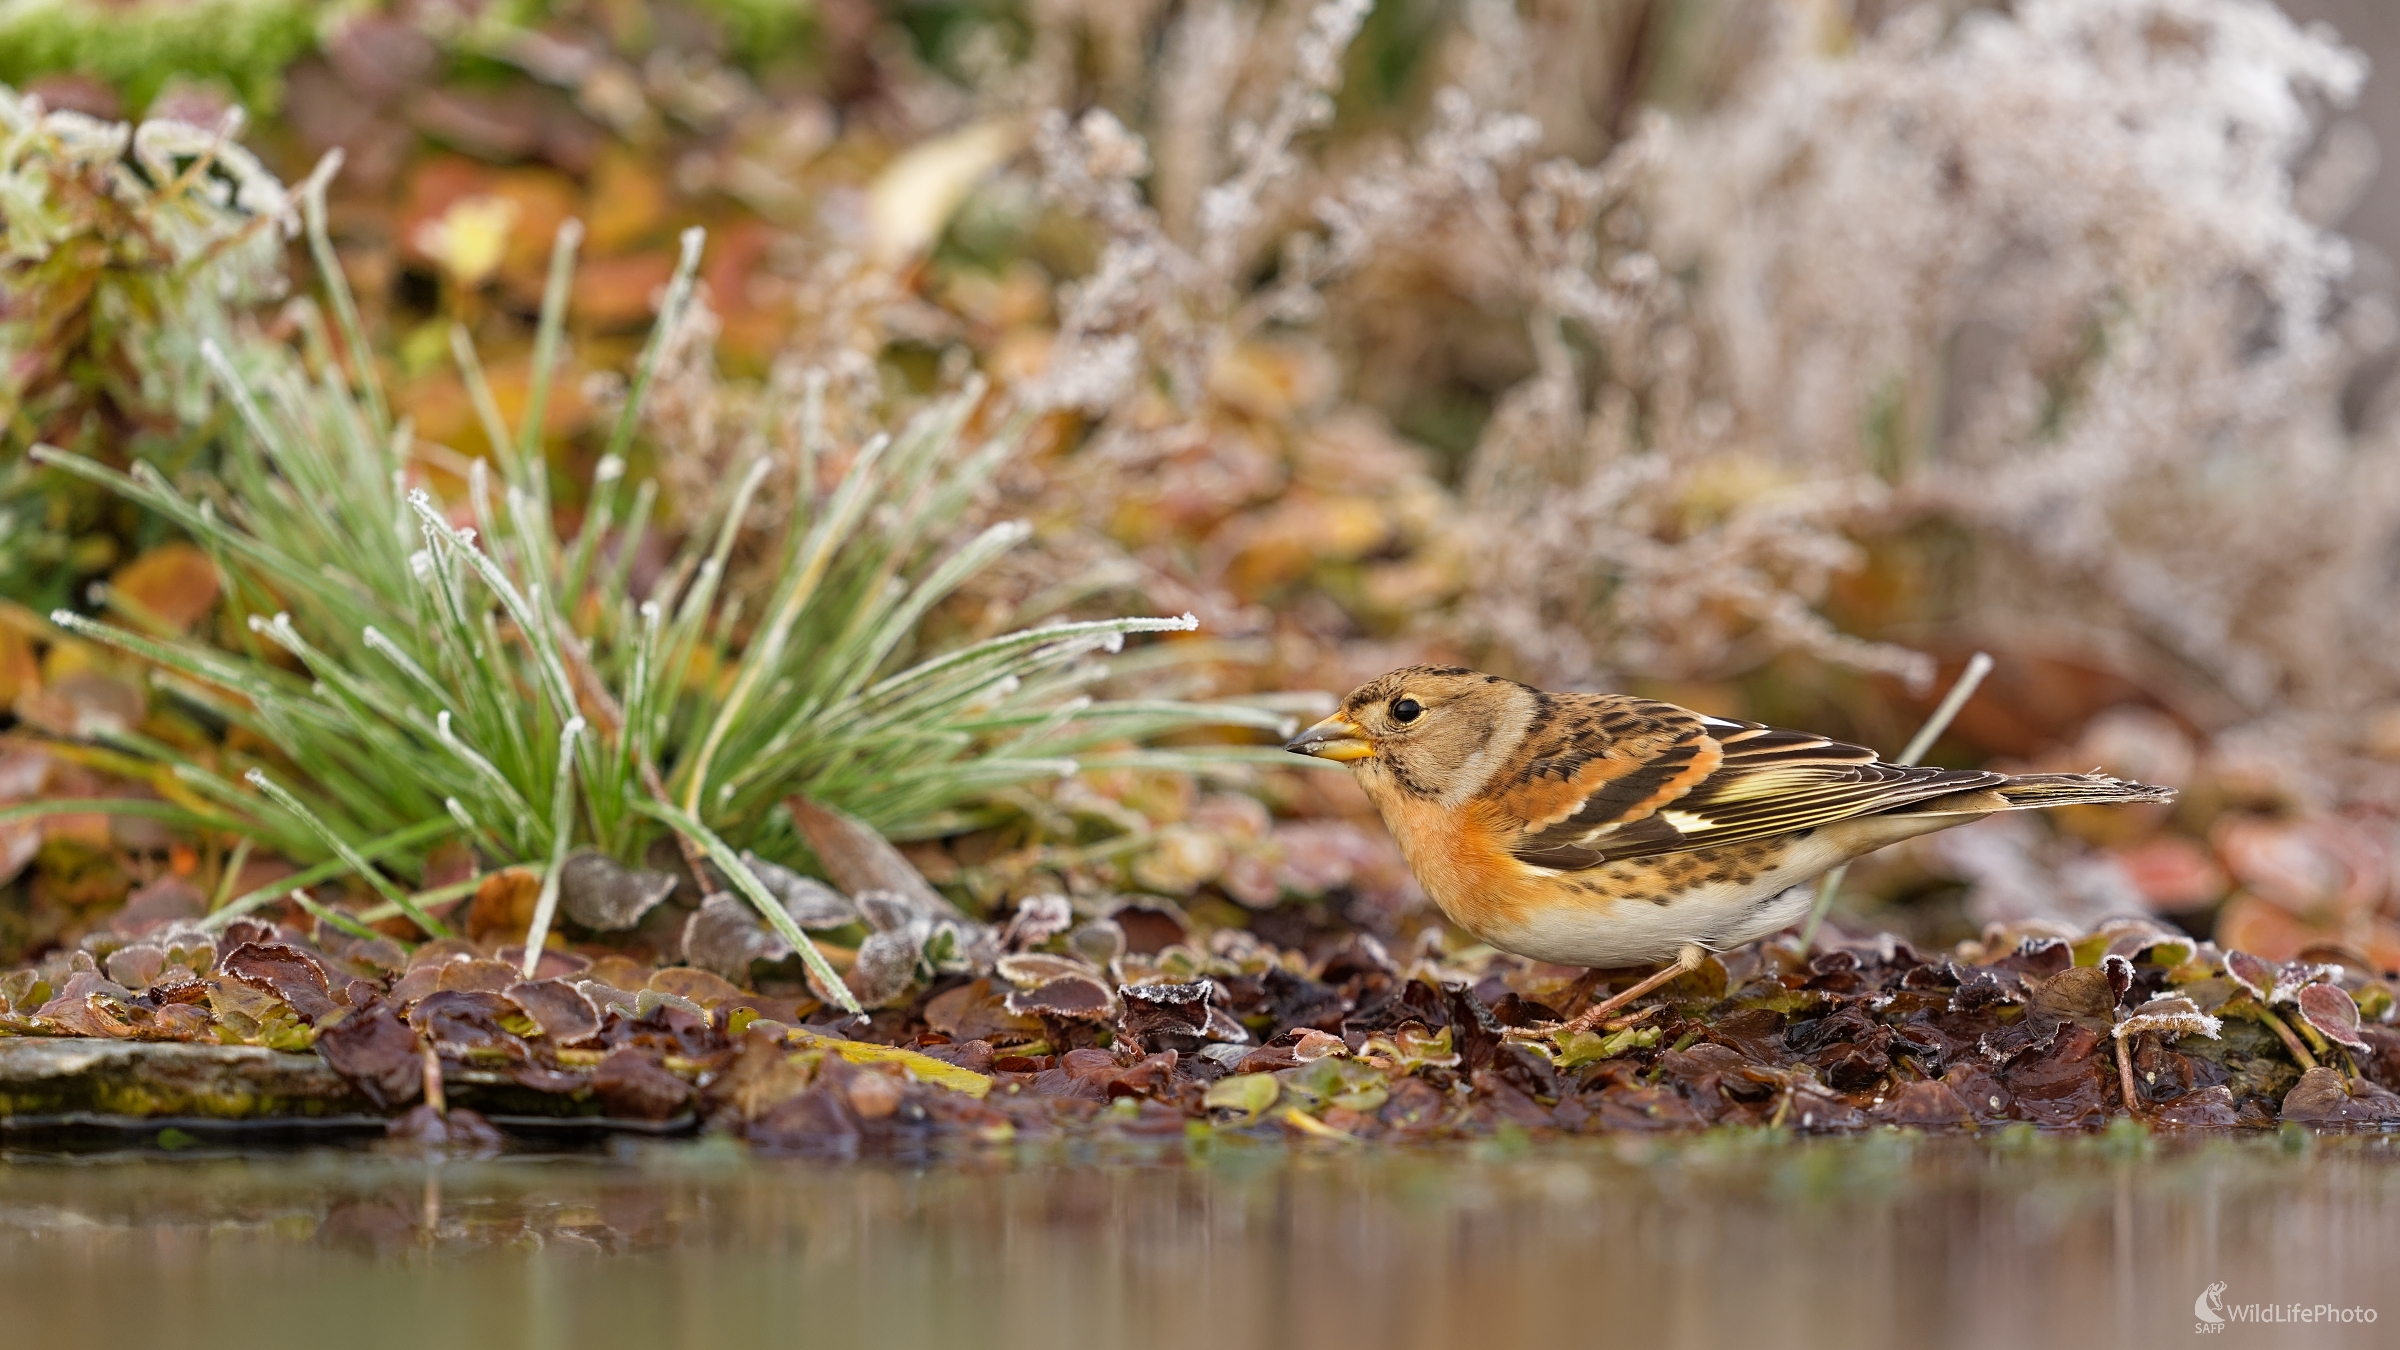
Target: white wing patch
{"type": "Point", "coordinates": [1685, 822]}
{"type": "Point", "coordinates": [1754, 784]}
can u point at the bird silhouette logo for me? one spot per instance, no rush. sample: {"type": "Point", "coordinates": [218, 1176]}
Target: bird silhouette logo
{"type": "Point", "coordinates": [2208, 1307]}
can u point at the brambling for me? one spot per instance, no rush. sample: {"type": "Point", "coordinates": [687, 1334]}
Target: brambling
{"type": "Point", "coordinates": [1605, 830]}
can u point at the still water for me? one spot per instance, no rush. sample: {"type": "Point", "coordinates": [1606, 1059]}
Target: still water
{"type": "Point", "coordinates": [1742, 1240]}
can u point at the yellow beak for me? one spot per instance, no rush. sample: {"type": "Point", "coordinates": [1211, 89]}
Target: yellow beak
{"type": "Point", "coordinates": [1336, 738]}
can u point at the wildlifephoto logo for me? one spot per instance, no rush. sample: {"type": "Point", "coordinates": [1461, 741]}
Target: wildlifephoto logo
{"type": "Point", "coordinates": [2211, 1313]}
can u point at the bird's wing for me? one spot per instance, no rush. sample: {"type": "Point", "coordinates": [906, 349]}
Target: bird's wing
{"type": "Point", "coordinates": [1629, 778]}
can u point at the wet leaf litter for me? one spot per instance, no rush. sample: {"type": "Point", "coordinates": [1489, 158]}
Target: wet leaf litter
{"type": "Point", "coordinates": [1061, 1027]}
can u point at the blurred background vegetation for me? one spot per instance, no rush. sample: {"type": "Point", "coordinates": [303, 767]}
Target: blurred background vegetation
{"type": "Point", "coordinates": [1769, 357]}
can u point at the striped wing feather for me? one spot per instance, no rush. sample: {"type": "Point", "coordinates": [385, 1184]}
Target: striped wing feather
{"type": "Point", "coordinates": [1762, 782]}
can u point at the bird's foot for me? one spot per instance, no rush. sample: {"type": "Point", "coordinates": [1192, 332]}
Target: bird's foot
{"type": "Point", "coordinates": [1553, 1031]}
{"type": "Point", "coordinates": [1686, 961]}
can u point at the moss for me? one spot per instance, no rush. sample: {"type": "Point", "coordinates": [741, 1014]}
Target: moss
{"type": "Point", "coordinates": [2251, 1054]}
{"type": "Point", "coordinates": [137, 49]}
{"type": "Point", "coordinates": [50, 1078]}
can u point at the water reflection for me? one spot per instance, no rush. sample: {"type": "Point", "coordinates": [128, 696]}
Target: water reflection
{"type": "Point", "coordinates": [1721, 1240]}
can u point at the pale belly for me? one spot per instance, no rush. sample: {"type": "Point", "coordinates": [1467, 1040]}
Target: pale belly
{"type": "Point", "coordinates": [1633, 928]}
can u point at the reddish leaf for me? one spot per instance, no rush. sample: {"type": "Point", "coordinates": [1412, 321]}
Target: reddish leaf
{"type": "Point", "coordinates": [503, 904]}
{"type": "Point", "coordinates": [173, 582]}
{"type": "Point", "coordinates": [377, 1053]}
{"type": "Point", "coordinates": [1149, 929]}
{"type": "Point", "coordinates": [461, 1022]}
{"type": "Point", "coordinates": [1923, 1102]}
{"type": "Point", "coordinates": [2209, 1107]}
{"type": "Point", "coordinates": [2322, 1098]}
{"type": "Point", "coordinates": [558, 1008]}
{"type": "Point", "coordinates": [2330, 1009]}
{"type": "Point", "coordinates": [700, 987]}
{"type": "Point", "coordinates": [91, 1004]}
{"type": "Point", "coordinates": [1166, 1016]}
{"type": "Point", "coordinates": [631, 1083]}
{"type": "Point", "coordinates": [1078, 998]}
{"type": "Point", "coordinates": [162, 902]}
{"type": "Point", "coordinates": [2252, 973]}
{"type": "Point", "coordinates": [488, 977]}
{"type": "Point", "coordinates": [858, 859]}
{"type": "Point", "coordinates": [2064, 1083]}
{"type": "Point", "coordinates": [285, 972]}
{"type": "Point", "coordinates": [974, 1012]}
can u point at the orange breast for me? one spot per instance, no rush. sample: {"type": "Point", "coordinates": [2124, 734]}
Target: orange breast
{"type": "Point", "coordinates": [1461, 858]}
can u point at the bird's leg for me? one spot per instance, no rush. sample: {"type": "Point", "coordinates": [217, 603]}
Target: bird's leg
{"type": "Point", "coordinates": [1580, 992]}
{"type": "Point", "coordinates": [1686, 961]}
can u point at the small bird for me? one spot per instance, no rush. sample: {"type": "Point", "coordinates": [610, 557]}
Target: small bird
{"type": "Point", "coordinates": [1605, 830]}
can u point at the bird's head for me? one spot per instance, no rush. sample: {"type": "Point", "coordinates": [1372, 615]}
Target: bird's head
{"type": "Point", "coordinates": [1434, 731]}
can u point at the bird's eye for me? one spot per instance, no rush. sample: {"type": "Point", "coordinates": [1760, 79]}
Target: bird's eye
{"type": "Point", "coordinates": [1407, 710]}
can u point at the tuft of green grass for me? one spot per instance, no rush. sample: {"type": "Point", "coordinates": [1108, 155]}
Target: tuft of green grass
{"type": "Point", "coordinates": [417, 669]}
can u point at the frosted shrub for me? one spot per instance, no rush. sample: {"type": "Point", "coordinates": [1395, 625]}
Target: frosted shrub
{"type": "Point", "coordinates": [2052, 273]}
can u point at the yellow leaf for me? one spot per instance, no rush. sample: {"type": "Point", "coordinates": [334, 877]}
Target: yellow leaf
{"type": "Point", "coordinates": [924, 1068]}
{"type": "Point", "coordinates": [1249, 1093]}
{"type": "Point", "coordinates": [912, 201]}
{"type": "Point", "coordinates": [470, 239]}
{"type": "Point", "coordinates": [1309, 1125]}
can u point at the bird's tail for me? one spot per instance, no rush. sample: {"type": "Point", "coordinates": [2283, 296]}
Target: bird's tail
{"type": "Point", "coordinates": [2077, 789]}
{"type": "Point", "coordinates": [2035, 791]}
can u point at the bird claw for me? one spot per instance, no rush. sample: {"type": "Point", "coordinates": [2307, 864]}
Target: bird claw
{"type": "Point", "coordinates": [1551, 1031]}
{"type": "Point", "coordinates": [1686, 961]}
